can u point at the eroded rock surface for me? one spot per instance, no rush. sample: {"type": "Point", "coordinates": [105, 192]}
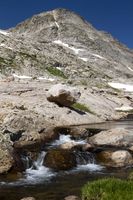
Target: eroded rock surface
{"type": "Point", "coordinates": [120, 158]}
{"type": "Point", "coordinates": [114, 137]}
{"type": "Point", "coordinates": [6, 158]}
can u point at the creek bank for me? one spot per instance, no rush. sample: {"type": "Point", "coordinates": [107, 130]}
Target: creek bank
{"type": "Point", "coordinates": [111, 148]}
{"type": "Point", "coordinates": [26, 116]}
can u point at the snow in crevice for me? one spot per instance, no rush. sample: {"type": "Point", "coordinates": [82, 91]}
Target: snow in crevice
{"type": "Point", "coordinates": [56, 23]}
{"type": "Point", "coordinates": [4, 32]}
{"type": "Point", "coordinates": [5, 46]}
{"type": "Point", "coordinates": [30, 77]}
{"type": "Point", "coordinates": [98, 56]}
{"type": "Point", "coordinates": [125, 87]}
{"type": "Point", "coordinates": [59, 68]}
{"type": "Point", "coordinates": [84, 59]}
{"type": "Point", "coordinates": [130, 68]}
{"type": "Point", "coordinates": [76, 50]}
{"type": "Point", "coordinates": [45, 78]}
{"type": "Point", "coordinates": [124, 108]}
{"type": "Point", "coordinates": [80, 51]}
{"type": "Point", "coordinates": [21, 76]}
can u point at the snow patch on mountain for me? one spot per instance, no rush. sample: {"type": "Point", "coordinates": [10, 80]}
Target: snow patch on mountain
{"type": "Point", "coordinates": [56, 23]}
{"type": "Point", "coordinates": [5, 46]}
{"type": "Point", "coordinates": [84, 59]}
{"type": "Point", "coordinates": [124, 108]}
{"type": "Point", "coordinates": [4, 32]}
{"type": "Point", "coordinates": [130, 68]}
{"type": "Point", "coordinates": [125, 87]}
{"type": "Point", "coordinates": [21, 76]}
{"type": "Point", "coordinates": [76, 51]}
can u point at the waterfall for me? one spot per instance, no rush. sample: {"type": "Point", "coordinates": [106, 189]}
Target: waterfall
{"type": "Point", "coordinates": [84, 158]}
{"type": "Point", "coordinates": [66, 138]}
{"type": "Point", "coordinates": [38, 172]}
{"type": "Point", "coordinates": [86, 161]}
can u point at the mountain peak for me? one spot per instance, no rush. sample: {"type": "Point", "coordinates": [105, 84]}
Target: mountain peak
{"type": "Point", "coordinates": [62, 39]}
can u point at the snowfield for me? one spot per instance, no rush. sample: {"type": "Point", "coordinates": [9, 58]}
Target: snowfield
{"type": "Point", "coordinates": [125, 87]}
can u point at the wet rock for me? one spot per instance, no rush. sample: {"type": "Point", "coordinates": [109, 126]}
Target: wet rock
{"type": "Point", "coordinates": [72, 197]}
{"type": "Point", "coordinates": [60, 159]}
{"type": "Point", "coordinates": [122, 158]}
{"type": "Point", "coordinates": [63, 95]}
{"type": "Point", "coordinates": [78, 133]}
{"type": "Point", "coordinates": [113, 137]}
{"type": "Point", "coordinates": [68, 145]}
{"type": "Point", "coordinates": [118, 158]}
{"type": "Point", "coordinates": [88, 147]}
{"type": "Point", "coordinates": [34, 139]}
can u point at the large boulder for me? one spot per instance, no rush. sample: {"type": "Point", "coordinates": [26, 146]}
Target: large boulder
{"type": "Point", "coordinates": [120, 158]}
{"type": "Point", "coordinates": [60, 159]}
{"type": "Point", "coordinates": [63, 95]}
{"type": "Point", "coordinates": [113, 137]}
{"type": "Point", "coordinates": [6, 159]}
{"type": "Point", "coordinates": [24, 120]}
{"type": "Point", "coordinates": [28, 140]}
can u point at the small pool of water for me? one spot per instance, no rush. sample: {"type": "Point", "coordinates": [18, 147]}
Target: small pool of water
{"type": "Point", "coordinates": [127, 124]}
{"type": "Point", "coordinates": [57, 187]}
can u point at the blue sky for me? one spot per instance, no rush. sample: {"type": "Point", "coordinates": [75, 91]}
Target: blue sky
{"type": "Point", "coordinates": [113, 16]}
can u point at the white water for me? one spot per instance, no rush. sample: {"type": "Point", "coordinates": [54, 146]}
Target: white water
{"type": "Point", "coordinates": [38, 172]}
{"type": "Point", "coordinates": [35, 174]}
{"type": "Point", "coordinates": [65, 139]}
{"type": "Point", "coordinates": [92, 167]}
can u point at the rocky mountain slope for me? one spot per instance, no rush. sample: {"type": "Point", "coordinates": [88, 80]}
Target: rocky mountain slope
{"type": "Point", "coordinates": [61, 47]}
{"type": "Point", "coordinates": [60, 44]}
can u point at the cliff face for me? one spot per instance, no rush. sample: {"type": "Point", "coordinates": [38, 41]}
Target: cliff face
{"type": "Point", "coordinates": [60, 44]}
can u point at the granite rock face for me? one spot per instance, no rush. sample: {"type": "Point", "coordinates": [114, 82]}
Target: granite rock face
{"type": "Point", "coordinates": [60, 44]}
{"type": "Point", "coordinates": [113, 137]}
{"type": "Point", "coordinates": [6, 159]}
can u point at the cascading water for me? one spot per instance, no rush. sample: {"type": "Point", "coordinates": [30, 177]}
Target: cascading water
{"type": "Point", "coordinates": [38, 172]}
{"type": "Point", "coordinates": [85, 160]}
{"type": "Point", "coordinates": [65, 139]}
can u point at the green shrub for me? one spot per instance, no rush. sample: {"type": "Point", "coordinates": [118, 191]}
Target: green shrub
{"type": "Point", "coordinates": [82, 107]}
{"type": "Point", "coordinates": [108, 189]}
{"type": "Point", "coordinates": [56, 72]}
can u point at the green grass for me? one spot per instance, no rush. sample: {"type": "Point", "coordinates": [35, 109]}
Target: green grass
{"type": "Point", "coordinates": [56, 72]}
{"type": "Point", "coordinates": [130, 176]}
{"type": "Point", "coordinates": [108, 189]}
{"type": "Point", "coordinates": [82, 107]}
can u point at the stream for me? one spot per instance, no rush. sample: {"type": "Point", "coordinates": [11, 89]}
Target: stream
{"type": "Point", "coordinates": [44, 184]}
